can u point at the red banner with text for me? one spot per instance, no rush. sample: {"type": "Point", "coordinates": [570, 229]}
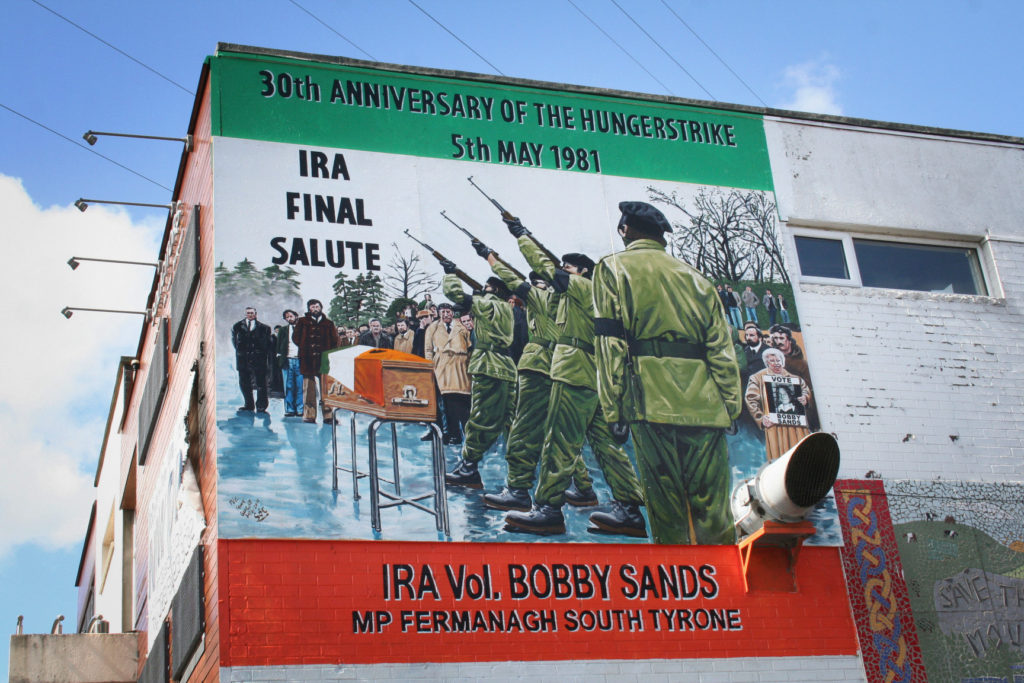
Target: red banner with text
{"type": "Point", "coordinates": [314, 602]}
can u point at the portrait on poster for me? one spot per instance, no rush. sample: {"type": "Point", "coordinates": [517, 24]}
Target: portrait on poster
{"type": "Point", "coordinates": [784, 406]}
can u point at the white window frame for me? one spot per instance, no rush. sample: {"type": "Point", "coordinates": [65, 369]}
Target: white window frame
{"type": "Point", "coordinates": [848, 253]}
{"type": "Point", "coordinates": [846, 238]}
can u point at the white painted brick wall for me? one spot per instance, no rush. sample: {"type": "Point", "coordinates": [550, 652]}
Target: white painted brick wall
{"type": "Point", "coordinates": [897, 375]}
{"type": "Point", "coordinates": [735, 670]}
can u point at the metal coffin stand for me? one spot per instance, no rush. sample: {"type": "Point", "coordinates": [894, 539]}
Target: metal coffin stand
{"type": "Point", "coordinates": [439, 494]}
{"type": "Point", "coordinates": [394, 381]}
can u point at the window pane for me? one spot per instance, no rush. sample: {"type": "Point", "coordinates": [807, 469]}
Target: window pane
{"type": "Point", "coordinates": [919, 267]}
{"type": "Point", "coordinates": [822, 257]}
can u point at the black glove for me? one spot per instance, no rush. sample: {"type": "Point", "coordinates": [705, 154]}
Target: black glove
{"type": "Point", "coordinates": [449, 267]}
{"type": "Point", "coordinates": [732, 428]}
{"type": "Point", "coordinates": [515, 227]}
{"type": "Point", "coordinates": [620, 431]}
{"type": "Point", "coordinates": [482, 250]}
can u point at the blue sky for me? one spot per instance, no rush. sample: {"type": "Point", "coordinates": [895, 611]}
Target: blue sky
{"type": "Point", "coordinates": [943, 64]}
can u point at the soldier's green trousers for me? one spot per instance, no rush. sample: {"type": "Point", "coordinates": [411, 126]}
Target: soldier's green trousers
{"type": "Point", "coordinates": [574, 414]}
{"type": "Point", "coordinates": [685, 472]}
{"type": "Point", "coordinates": [490, 411]}
{"type": "Point", "coordinates": [526, 437]}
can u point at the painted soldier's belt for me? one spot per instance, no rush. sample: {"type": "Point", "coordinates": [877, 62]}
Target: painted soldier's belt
{"type": "Point", "coordinates": [577, 342]}
{"type": "Point", "coordinates": [609, 327]}
{"type": "Point", "coordinates": [666, 349]}
{"type": "Point", "coordinates": [503, 350]}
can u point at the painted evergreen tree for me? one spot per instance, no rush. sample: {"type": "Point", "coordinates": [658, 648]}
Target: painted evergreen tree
{"type": "Point", "coordinates": [338, 310]}
{"type": "Point", "coordinates": [367, 297]}
{"type": "Point", "coordinates": [358, 299]}
{"type": "Point", "coordinates": [398, 305]}
{"type": "Point", "coordinates": [282, 279]}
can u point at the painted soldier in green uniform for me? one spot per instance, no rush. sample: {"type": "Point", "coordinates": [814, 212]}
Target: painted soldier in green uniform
{"type": "Point", "coordinates": [573, 409]}
{"type": "Point", "coordinates": [490, 368]}
{"type": "Point", "coordinates": [667, 370]}
{"type": "Point", "coordinates": [533, 388]}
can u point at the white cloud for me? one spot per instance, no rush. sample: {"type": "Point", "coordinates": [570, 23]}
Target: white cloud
{"type": "Point", "coordinates": [813, 87]}
{"type": "Point", "coordinates": [59, 374]}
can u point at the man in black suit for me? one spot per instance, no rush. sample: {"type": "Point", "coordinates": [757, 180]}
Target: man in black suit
{"type": "Point", "coordinates": [253, 347]}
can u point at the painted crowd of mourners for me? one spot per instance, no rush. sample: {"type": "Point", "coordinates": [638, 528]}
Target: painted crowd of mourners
{"type": "Point", "coordinates": [638, 343]}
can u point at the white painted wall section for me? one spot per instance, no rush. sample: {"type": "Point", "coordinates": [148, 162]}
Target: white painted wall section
{"type": "Point", "coordinates": [915, 385]}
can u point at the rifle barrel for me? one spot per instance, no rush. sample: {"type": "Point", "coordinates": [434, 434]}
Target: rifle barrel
{"type": "Point", "coordinates": [547, 252]}
{"type": "Point", "coordinates": [510, 266]}
{"type": "Point", "coordinates": [508, 214]}
{"type": "Point", "coordinates": [466, 232]}
{"type": "Point", "coordinates": [494, 253]}
{"type": "Point", "coordinates": [461, 274]}
{"type": "Point", "coordinates": [504, 212]}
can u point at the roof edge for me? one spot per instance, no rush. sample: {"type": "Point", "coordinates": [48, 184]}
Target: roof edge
{"type": "Point", "coordinates": [568, 87]}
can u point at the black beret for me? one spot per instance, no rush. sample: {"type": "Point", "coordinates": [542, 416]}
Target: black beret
{"type": "Point", "coordinates": [444, 305]}
{"type": "Point", "coordinates": [643, 217]}
{"type": "Point", "coordinates": [581, 261]}
{"type": "Point", "coordinates": [500, 288]}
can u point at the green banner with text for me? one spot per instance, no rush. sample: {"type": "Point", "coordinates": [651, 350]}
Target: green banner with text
{"type": "Point", "coordinates": [283, 100]}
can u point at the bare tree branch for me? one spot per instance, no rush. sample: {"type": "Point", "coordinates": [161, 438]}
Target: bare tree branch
{"type": "Point", "coordinates": [727, 234]}
{"type": "Point", "coordinates": [406, 278]}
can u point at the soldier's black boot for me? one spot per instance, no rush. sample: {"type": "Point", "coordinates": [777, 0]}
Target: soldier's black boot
{"type": "Point", "coordinates": [580, 499]}
{"type": "Point", "coordinates": [509, 499]}
{"type": "Point", "coordinates": [543, 520]}
{"type": "Point", "coordinates": [465, 474]}
{"type": "Point", "coordinates": [624, 519]}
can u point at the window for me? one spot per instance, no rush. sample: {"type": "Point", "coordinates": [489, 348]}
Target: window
{"type": "Point", "coordinates": [837, 258]}
{"type": "Point", "coordinates": [153, 393]}
{"type": "Point", "coordinates": [186, 279]}
{"type": "Point", "coordinates": [820, 257]}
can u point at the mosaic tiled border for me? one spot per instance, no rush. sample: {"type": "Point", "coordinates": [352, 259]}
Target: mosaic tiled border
{"type": "Point", "coordinates": [878, 594]}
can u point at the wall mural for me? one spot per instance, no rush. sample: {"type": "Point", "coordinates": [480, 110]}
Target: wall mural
{"type": "Point", "coordinates": [962, 546]}
{"type": "Point", "coordinates": [936, 575]}
{"type": "Point", "coordinates": [484, 228]}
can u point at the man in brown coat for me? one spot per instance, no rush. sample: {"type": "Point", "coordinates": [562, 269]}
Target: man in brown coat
{"type": "Point", "coordinates": [404, 337]}
{"type": "Point", "coordinates": [447, 344]}
{"type": "Point", "coordinates": [314, 334]}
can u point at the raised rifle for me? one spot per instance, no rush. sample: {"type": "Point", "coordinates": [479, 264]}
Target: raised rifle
{"type": "Point", "coordinates": [495, 254]}
{"type": "Point", "coordinates": [461, 274]}
{"type": "Point", "coordinates": [507, 215]}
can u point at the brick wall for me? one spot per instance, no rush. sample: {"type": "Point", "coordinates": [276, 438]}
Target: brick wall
{"type": "Point", "coordinates": [915, 385]}
{"type": "Point", "coordinates": [296, 602]}
{"type": "Point", "coordinates": [918, 385]}
{"type": "Point", "coordinates": [742, 670]}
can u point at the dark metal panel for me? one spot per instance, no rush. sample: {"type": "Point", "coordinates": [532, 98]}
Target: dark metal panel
{"type": "Point", "coordinates": [186, 279]}
{"type": "Point", "coordinates": [155, 670]}
{"type": "Point", "coordinates": [153, 394]}
{"type": "Point", "coordinates": [187, 619]}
